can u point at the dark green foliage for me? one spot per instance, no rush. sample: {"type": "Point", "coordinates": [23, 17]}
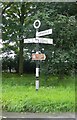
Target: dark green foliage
{"type": "Point", "coordinates": [61, 17]}
{"type": "Point", "coordinates": [8, 64]}
{"type": "Point", "coordinates": [29, 67]}
{"type": "Point", "coordinates": [13, 64]}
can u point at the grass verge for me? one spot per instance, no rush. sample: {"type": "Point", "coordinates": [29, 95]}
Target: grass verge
{"type": "Point", "coordinates": [19, 95]}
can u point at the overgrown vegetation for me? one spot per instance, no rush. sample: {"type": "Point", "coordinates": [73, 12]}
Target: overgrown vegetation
{"type": "Point", "coordinates": [54, 95]}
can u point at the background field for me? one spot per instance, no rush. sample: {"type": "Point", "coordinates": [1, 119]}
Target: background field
{"type": "Point", "coordinates": [54, 95]}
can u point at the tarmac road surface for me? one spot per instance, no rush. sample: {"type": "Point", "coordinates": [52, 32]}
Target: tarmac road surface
{"type": "Point", "coordinates": [38, 116]}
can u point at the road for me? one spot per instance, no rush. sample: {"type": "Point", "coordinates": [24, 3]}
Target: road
{"type": "Point", "coordinates": [37, 116]}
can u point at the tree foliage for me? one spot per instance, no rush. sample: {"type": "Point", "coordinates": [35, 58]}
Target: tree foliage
{"type": "Point", "coordinates": [18, 21]}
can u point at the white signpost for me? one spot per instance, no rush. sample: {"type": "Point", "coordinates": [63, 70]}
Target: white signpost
{"type": "Point", "coordinates": [38, 41]}
{"type": "Point", "coordinates": [45, 41]}
{"type": "Point", "coordinates": [31, 40]}
{"type": "Point", "coordinates": [42, 33]}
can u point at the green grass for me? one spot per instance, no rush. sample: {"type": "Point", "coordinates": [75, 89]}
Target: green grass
{"type": "Point", "coordinates": [19, 94]}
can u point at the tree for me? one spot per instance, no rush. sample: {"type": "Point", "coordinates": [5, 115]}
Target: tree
{"type": "Point", "coordinates": [61, 58]}
{"type": "Point", "coordinates": [61, 17]}
{"type": "Point", "coordinates": [15, 16]}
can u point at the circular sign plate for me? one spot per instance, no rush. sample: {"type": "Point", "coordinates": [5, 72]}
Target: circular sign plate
{"type": "Point", "coordinates": [37, 24]}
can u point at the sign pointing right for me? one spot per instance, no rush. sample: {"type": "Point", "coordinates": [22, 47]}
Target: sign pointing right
{"type": "Point", "coordinates": [45, 32]}
{"type": "Point", "coordinates": [38, 56]}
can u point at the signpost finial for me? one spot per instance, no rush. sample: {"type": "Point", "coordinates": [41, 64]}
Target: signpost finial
{"type": "Point", "coordinates": [37, 24]}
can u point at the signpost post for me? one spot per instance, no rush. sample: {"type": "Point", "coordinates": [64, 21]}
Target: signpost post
{"type": "Point", "coordinates": [37, 52]}
{"type": "Point", "coordinates": [36, 56]}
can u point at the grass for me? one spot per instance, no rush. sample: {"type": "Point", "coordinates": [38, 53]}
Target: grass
{"type": "Point", "coordinates": [19, 95]}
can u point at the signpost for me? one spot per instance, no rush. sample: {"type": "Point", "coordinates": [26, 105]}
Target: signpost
{"type": "Point", "coordinates": [45, 41]}
{"type": "Point", "coordinates": [36, 56]}
{"type": "Point", "coordinates": [46, 32]}
{"type": "Point", "coordinates": [39, 40]}
{"type": "Point", "coordinates": [31, 40]}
